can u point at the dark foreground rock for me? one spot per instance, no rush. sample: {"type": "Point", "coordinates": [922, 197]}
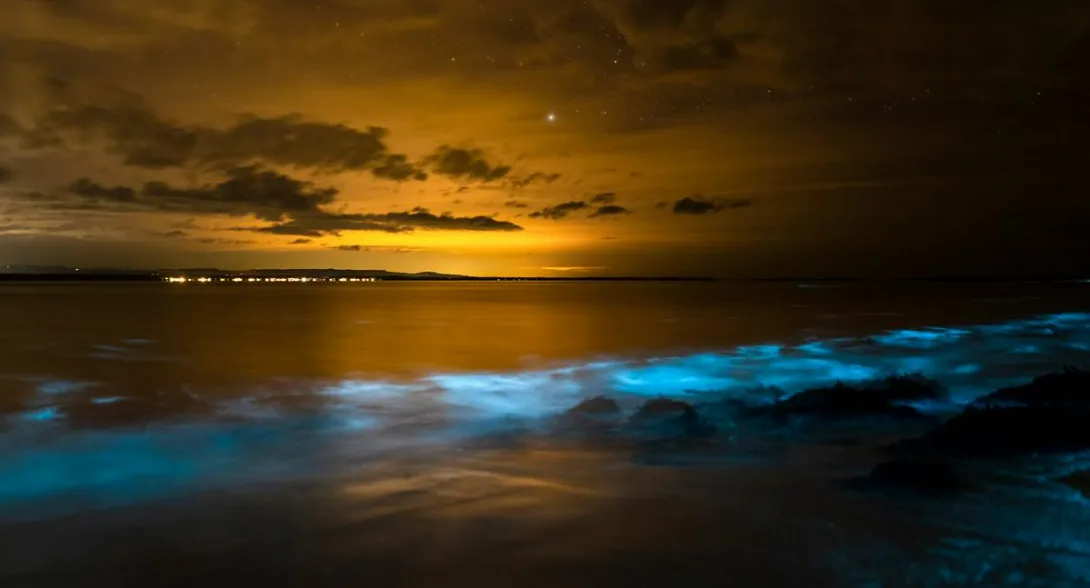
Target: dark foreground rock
{"type": "Point", "coordinates": [665, 408]}
{"type": "Point", "coordinates": [885, 397]}
{"type": "Point", "coordinates": [1051, 414]}
{"type": "Point", "coordinates": [596, 417]}
{"type": "Point", "coordinates": [597, 407]}
{"type": "Point", "coordinates": [933, 478]}
{"type": "Point", "coordinates": [593, 415]}
{"type": "Point", "coordinates": [1079, 481]}
{"type": "Point", "coordinates": [1069, 388]}
{"type": "Point", "coordinates": [664, 416]}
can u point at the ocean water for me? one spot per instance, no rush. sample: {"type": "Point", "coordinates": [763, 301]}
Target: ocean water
{"type": "Point", "coordinates": [404, 434]}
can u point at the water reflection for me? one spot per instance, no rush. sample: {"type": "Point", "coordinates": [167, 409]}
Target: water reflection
{"type": "Point", "coordinates": [289, 433]}
{"type": "Point", "coordinates": [181, 435]}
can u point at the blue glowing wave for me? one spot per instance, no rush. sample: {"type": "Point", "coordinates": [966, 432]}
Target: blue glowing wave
{"type": "Point", "coordinates": [970, 361]}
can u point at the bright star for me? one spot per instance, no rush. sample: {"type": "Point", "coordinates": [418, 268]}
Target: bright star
{"type": "Point", "coordinates": [551, 117]}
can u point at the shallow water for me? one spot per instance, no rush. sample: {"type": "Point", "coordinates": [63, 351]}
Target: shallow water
{"type": "Point", "coordinates": [403, 434]}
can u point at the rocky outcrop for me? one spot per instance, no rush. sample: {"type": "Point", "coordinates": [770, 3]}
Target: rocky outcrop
{"type": "Point", "coordinates": [886, 397]}
{"type": "Point", "coordinates": [1079, 481]}
{"type": "Point", "coordinates": [1067, 389]}
{"type": "Point", "coordinates": [596, 407]}
{"type": "Point", "coordinates": [1048, 415]}
{"type": "Point", "coordinates": [664, 416]}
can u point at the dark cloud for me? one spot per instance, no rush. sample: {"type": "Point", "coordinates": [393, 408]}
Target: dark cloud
{"type": "Point", "coordinates": [465, 164]}
{"type": "Point", "coordinates": [42, 201]}
{"type": "Point", "coordinates": [143, 139]}
{"type": "Point", "coordinates": [515, 204]}
{"type": "Point", "coordinates": [397, 167]}
{"type": "Point", "coordinates": [300, 241]}
{"type": "Point", "coordinates": [690, 205]}
{"type": "Point", "coordinates": [324, 223]}
{"type": "Point", "coordinates": [294, 141]}
{"type": "Point", "coordinates": [86, 188]}
{"type": "Point", "coordinates": [175, 234]}
{"type": "Point", "coordinates": [317, 225]}
{"type": "Point", "coordinates": [610, 210]}
{"type": "Point", "coordinates": [296, 206]}
{"type": "Point", "coordinates": [700, 205]}
{"type": "Point", "coordinates": [248, 190]}
{"type": "Point", "coordinates": [5, 174]}
{"type": "Point", "coordinates": [350, 248]}
{"type": "Point", "coordinates": [604, 198]}
{"type": "Point", "coordinates": [423, 219]}
{"type": "Point", "coordinates": [289, 229]}
{"type": "Point", "coordinates": [545, 178]}
{"type": "Point", "coordinates": [560, 211]}
{"type": "Point", "coordinates": [134, 133]}
{"type": "Point", "coordinates": [213, 241]}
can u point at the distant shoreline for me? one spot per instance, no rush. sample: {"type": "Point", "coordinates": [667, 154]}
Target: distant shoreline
{"type": "Point", "coordinates": [339, 276]}
{"type": "Point", "coordinates": [242, 278]}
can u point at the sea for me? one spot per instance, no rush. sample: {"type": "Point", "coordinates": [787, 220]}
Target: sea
{"type": "Point", "coordinates": [406, 434]}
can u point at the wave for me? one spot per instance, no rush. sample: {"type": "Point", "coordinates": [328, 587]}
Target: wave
{"type": "Point", "coordinates": [288, 427]}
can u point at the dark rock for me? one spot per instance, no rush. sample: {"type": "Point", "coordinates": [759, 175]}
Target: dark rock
{"type": "Point", "coordinates": [1049, 415]}
{"type": "Point", "coordinates": [1079, 481]}
{"type": "Point", "coordinates": [593, 415]}
{"type": "Point", "coordinates": [670, 417]}
{"type": "Point", "coordinates": [753, 402]}
{"type": "Point", "coordinates": [927, 477]}
{"type": "Point", "coordinates": [884, 397]}
{"type": "Point", "coordinates": [665, 408]}
{"type": "Point", "coordinates": [1069, 388]}
{"type": "Point", "coordinates": [599, 406]}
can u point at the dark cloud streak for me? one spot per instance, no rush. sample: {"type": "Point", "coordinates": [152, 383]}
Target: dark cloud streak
{"type": "Point", "coordinates": [143, 139]}
{"type": "Point", "coordinates": [465, 164]}
{"type": "Point", "coordinates": [610, 210]}
{"type": "Point", "coordinates": [560, 211]}
{"type": "Point", "coordinates": [297, 207]}
{"type": "Point", "coordinates": [698, 205]}
{"type": "Point", "coordinates": [318, 225]}
{"type": "Point", "coordinates": [248, 190]}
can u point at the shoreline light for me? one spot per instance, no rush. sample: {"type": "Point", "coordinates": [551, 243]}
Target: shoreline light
{"type": "Point", "coordinates": [263, 280]}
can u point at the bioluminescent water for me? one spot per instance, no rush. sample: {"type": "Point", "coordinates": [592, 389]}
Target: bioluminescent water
{"type": "Point", "coordinates": [274, 433]}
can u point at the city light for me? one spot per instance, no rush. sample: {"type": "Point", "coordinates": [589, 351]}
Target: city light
{"type": "Point", "coordinates": [263, 280]}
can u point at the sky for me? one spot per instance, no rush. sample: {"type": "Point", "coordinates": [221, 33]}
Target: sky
{"type": "Point", "coordinates": [730, 138]}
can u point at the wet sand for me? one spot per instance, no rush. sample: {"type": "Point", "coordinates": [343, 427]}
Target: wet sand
{"type": "Point", "coordinates": [526, 510]}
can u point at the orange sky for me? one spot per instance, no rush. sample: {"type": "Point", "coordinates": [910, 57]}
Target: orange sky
{"type": "Point", "coordinates": [731, 138]}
